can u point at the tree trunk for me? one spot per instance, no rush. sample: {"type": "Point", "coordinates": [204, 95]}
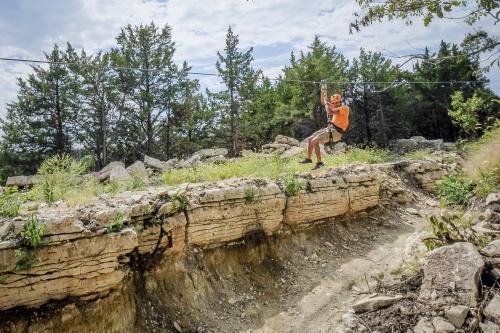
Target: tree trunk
{"type": "Point", "coordinates": [382, 120]}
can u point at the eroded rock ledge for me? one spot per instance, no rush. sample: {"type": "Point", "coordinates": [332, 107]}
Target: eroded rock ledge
{"type": "Point", "coordinates": [80, 258]}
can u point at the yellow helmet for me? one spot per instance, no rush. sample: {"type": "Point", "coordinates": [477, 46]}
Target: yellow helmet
{"type": "Point", "coordinates": [335, 98]}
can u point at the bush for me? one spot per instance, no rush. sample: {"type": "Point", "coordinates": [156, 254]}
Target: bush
{"type": "Point", "coordinates": [488, 181]}
{"type": "Point", "coordinates": [250, 194]}
{"type": "Point", "coordinates": [57, 175]}
{"type": "Point", "coordinates": [9, 205]}
{"type": "Point", "coordinates": [293, 185]}
{"type": "Point", "coordinates": [454, 190]}
{"type": "Point", "coordinates": [180, 201]}
{"type": "Point", "coordinates": [451, 229]}
{"type": "Point", "coordinates": [32, 233]}
{"type": "Point", "coordinates": [116, 224]}
{"type": "Point", "coordinates": [32, 238]}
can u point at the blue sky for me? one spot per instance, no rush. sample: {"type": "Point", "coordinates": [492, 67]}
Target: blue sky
{"type": "Point", "coordinates": [273, 28]}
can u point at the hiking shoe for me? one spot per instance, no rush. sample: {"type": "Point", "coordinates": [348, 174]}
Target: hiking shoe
{"type": "Point", "coordinates": [318, 165]}
{"type": "Point", "coordinates": [306, 160]}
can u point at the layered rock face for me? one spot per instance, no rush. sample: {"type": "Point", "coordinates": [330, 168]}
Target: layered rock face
{"type": "Point", "coordinates": [87, 250]}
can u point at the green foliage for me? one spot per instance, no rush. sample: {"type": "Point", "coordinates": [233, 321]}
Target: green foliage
{"type": "Point", "coordinates": [417, 154]}
{"type": "Point", "coordinates": [293, 185]}
{"type": "Point", "coordinates": [116, 224]}
{"type": "Point", "coordinates": [451, 229]}
{"type": "Point", "coordinates": [32, 238]}
{"type": "Point", "coordinates": [488, 180]}
{"type": "Point", "coordinates": [454, 190]}
{"type": "Point", "coordinates": [9, 205]}
{"type": "Point", "coordinates": [465, 113]}
{"type": "Point", "coordinates": [180, 201]}
{"type": "Point", "coordinates": [32, 233]}
{"type": "Point", "coordinates": [26, 260]}
{"type": "Point", "coordinates": [57, 175]}
{"type": "Point", "coordinates": [250, 194]}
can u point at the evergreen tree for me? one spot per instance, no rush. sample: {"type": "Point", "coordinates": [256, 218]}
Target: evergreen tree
{"type": "Point", "coordinates": [234, 66]}
{"type": "Point", "coordinates": [95, 121]}
{"type": "Point", "coordinates": [147, 94]}
{"type": "Point", "coordinates": [42, 120]}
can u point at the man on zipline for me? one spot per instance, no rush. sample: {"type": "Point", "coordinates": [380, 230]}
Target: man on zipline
{"type": "Point", "coordinates": [337, 126]}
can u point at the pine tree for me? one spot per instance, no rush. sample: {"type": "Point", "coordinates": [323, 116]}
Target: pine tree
{"type": "Point", "coordinates": [147, 94]}
{"type": "Point", "coordinates": [234, 66]}
{"type": "Point", "coordinates": [41, 122]}
{"type": "Point", "coordinates": [95, 121]}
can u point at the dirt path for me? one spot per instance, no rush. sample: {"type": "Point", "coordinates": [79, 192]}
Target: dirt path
{"type": "Point", "coordinates": [487, 154]}
{"type": "Point", "coordinates": [321, 309]}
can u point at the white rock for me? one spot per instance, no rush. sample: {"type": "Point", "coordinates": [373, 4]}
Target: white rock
{"type": "Point", "coordinates": [489, 327]}
{"type": "Point", "coordinates": [5, 228]}
{"type": "Point", "coordinates": [423, 326]}
{"type": "Point", "coordinates": [492, 198]}
{"type": "Point", "coordinates": [118, 174]}
{"type": "Point", "coordinates": [457, 314]}
{"type": "Point", "coordinates": [492, 310]}
{"type": "Point", "coordinates": [492, 249]}
{"type": "Point", "coordinates": [374, 302]}
{"type": "Point", "coordinates": [441, 325]}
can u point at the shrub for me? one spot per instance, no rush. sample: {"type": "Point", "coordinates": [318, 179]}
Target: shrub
{"type": "Point", "coordinates": [250, 194]}
{"type": "Point", "coordinates": [451, 229]}
{"type": "Point", "coordinates": [25, 260]}
{"type": "Point", "coordinates": [32, 238]}
{"type": "Point", "coordinates": [32, 233]}
{"type": "Point", "coordinates": [488, 181]}
{"type": "Point", "coordinates": [116, 224]}
{"type": "Point", "coordinates": [454, 190]}
{"type": "Point", "coordinates": [9, 205]}
{"type": "Point", "coordinates": [57, 175]}
{"type": "Point", "coordinates": [180, 201]}
{"type": "Point", "coordinates": [292, 185]}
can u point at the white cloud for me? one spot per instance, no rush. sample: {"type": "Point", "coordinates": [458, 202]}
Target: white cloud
{"type": "Point", "coordinates": [199, 29]}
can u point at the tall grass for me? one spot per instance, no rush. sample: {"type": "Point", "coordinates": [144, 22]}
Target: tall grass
{"type": "Point", "coordinates": [269, 167]}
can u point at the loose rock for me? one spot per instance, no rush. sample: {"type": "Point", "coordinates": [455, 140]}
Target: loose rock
{"type": "Point", "coordinates": [374, 302]}
{"type": "Point", "coordinates": [457, 314]}
{"type": "Point", "coordinates": [492, 310]}
{"type": "Point", "coordinates": [441, 325]}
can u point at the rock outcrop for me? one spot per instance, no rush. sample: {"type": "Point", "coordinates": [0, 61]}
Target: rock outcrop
{"type": "Point", "coordinates": [86, 250]}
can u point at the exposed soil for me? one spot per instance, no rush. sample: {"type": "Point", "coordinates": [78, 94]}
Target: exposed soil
{"type": "Point", "coordinates": [301, 282]}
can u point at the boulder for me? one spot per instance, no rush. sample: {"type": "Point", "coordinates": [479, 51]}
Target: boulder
{"type": "Point", "coordinates": [292, 152]}
{"type": "Point", "coordinates": [457, 314]}
{"type": "Point", "coordinates": [5, 228]}
{"type": "Point", "coordinates": [492, 310]}
{"type": "Point", "coordinates": [489, 327]}
{"type": "Point", "coordinates": [156, 163]}
{"type": "Point", "coordinates": [286, 140]}
{"type": "Point", "coordinates": [493, 201]}
{"type": "Point", "coordinates": [119, 174]}
{"type": "Point", "coordinates": [21, 181]}
{"type": "Point", "coordinates": [451, 275]}
{"type": "Point", "coordinates": [374, 302]}
{"type": "Point", "coordinates": [441, 325]}
{"type": "Point", "coordinates": [138, 169]}
{"type": "Point", "coordinates": [492, 249]}
{"type": "Point", "coordinates": [204, 153]}
{"type": "Point", "coordinates": [104, 173]}
{"type": "Point", "coordinates": [423, 326]}
{"type": "Point", "coordinates": [339, 147]}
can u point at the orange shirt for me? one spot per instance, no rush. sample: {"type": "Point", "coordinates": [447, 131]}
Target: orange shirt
{"type": "Point", "coordinates": [340, 118]}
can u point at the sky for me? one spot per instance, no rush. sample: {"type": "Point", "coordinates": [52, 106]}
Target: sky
{"type": "Point", "coordinates": [272, 28]}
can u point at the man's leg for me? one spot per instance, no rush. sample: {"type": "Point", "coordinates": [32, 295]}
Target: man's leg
{"type": "Point", "coordinates": [317, 150]}
{"type": "Point", "coordinates": [310, 148]}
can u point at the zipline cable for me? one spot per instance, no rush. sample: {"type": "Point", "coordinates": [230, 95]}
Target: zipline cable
{"type": "Point", "coordinates": [390, 83]}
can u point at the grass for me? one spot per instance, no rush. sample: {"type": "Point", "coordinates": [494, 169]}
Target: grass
{"type": "Point", "coordinates": [269, 167]}
{"type": "Point", "coordinates": [417, 154]}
